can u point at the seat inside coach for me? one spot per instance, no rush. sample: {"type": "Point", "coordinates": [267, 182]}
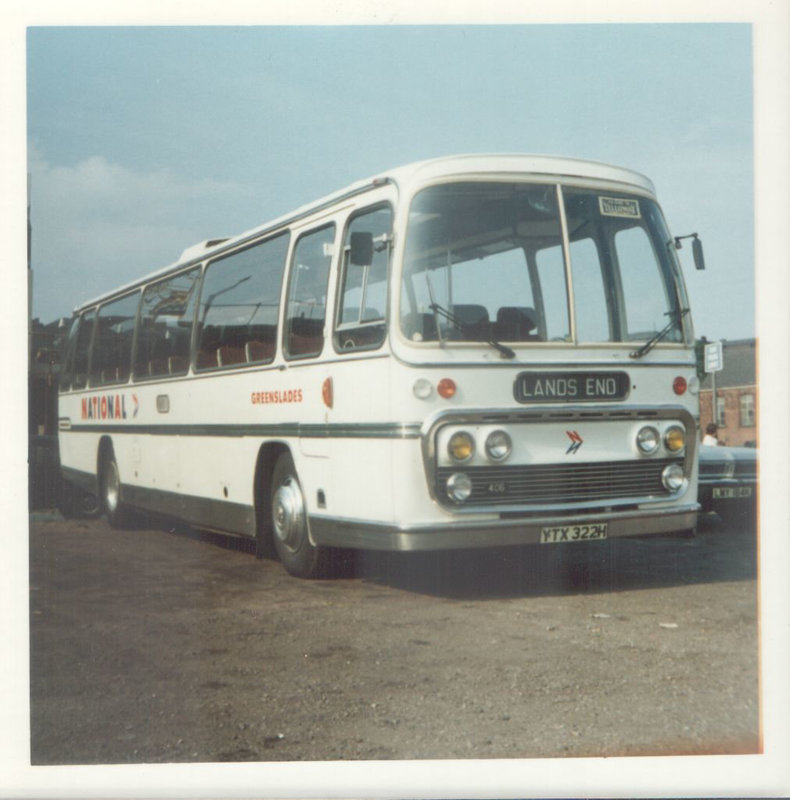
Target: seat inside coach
{"type": "Point", "coordinates": [512, 324]}
{"type": "Point", "coordinates": [516, 324]}
{"type": "Point", "coordinates": [234, 345]}
{"type": "Point", "coordinates": [161, 350]}
{"type": "Point", "coordinates": [305, 336]}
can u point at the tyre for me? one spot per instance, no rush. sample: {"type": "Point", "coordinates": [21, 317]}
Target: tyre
{"type": "Point", "coordinates": [75, 503]}
{"type": "Point", "coordinates": [88, 506]}
{"type": "Point", "coordinates": [110, 490]}
{"type": "Point", "coordinates": [298, 554]}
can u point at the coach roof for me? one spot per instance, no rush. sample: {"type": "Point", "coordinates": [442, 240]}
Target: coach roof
{"type": "Point", "coordinates": [499, 165]}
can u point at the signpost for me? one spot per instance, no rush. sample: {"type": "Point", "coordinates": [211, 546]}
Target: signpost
{"type": "Point", "coordinates": [714, 362]}
{"type": "Point", "coordinates": [714, 357]}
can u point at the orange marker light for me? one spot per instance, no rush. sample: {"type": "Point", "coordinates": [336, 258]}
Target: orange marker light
{"type": "Point", "coordinates": [446, 388]}
{"type": "Point", "coordinates": [679, 385]}
{"type": "Point", "coordinates": [328, 393]}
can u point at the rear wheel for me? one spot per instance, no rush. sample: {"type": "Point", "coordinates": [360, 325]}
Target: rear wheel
{"type": "Point", "coordinates": [110, 488]}
{"type": "Point", "coordinates": [75, 503]}
{"type": "Point", "coordinates": [290, 533]}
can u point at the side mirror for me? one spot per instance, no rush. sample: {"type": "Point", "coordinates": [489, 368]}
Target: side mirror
{"type": "Point", "coordinates": [696, 249]}
{"type": "Point", "coordinates": [361, 249]}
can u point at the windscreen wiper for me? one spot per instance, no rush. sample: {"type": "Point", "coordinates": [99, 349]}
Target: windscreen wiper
{"type": "Point", "coordinates": [651, 343]}
{"type": "Point", "coordinates": [464, 327]}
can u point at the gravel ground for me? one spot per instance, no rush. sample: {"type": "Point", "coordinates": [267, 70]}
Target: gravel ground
{"type": "Point", "coordinates": [157, 645]}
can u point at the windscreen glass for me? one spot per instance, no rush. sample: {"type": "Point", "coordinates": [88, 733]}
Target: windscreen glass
{"type": "Point", "coordinates": [485, 261]}
{"type": "Point", "coordinates": [624, 278]}
{"type": "Point", "coordinates": [470, 269]}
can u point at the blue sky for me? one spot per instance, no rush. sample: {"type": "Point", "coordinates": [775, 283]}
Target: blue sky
{"type": "Point", "coordinates": [142, 141]}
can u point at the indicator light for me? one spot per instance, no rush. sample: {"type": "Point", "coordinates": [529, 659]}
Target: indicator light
{"type": "Point", "coordinates": [446, 388]}
{"type": "Point", "coordinates": [328, 393]}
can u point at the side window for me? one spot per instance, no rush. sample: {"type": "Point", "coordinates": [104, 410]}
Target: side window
{"type": "Point", "coordinates": [307, 287]}
{"type": "Point", "coordinates": [239, 306]}
{"type": "Point", "coordinates": [164, 334]}
{"type": "Point", "coordinates": [82, 350]}
{"type": "Point", "coordinates": [362, 300]}
{"type": "Point", "coordinates": [112, 345]}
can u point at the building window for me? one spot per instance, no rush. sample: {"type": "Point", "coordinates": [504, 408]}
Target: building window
{"type": "Point", "coordinates": [720, 418]}
{"type": "Point", "coordinates": [747, 410]}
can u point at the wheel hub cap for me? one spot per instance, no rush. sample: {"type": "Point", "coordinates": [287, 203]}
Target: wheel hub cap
{"type": "Point", "coordinates": [288, 514]}
{"type": "Point", "coordinates": [111, 490]}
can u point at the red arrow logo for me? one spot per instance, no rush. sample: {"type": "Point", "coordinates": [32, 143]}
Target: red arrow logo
{"type": "Point", "coordinates": [576, 442]}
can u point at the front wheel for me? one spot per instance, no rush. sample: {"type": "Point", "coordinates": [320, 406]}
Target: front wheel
{"type": "Point", "coordinates": [298, 554]}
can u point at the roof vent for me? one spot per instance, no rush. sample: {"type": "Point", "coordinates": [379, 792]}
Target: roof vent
{"type": "Point", "coordinates": [197, 250]}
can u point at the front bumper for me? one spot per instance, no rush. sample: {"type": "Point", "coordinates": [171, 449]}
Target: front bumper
{"type": "Point", "coordinates": [334, 532]}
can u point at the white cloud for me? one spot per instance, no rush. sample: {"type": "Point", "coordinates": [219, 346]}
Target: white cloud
{"type": "Point", "coordinates": [98, 224]}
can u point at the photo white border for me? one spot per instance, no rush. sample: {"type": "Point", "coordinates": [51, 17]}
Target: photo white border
{"type": "Point", "coordinates": [766, 775]}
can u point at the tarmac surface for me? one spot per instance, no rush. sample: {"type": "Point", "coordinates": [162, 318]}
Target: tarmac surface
{"type": "Point", "coordinates": [162, 645]}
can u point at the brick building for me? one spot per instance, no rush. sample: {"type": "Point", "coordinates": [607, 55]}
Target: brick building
{"type": "Point", "coordinates": [736, 406]}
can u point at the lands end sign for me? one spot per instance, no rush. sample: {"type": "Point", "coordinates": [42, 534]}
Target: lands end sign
{"type": "Point", "coordinates": [570, 387]}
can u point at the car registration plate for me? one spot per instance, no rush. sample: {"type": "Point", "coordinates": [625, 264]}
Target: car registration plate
{"type": "Point", "coordinates": [724, 492]}
{"type": "Point", "coordinates": [573, 533]}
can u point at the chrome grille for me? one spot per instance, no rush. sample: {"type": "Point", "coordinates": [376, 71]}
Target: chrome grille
{"type": "Point", "coordinates": [561, 483]}
{"type": "Point", "coordinates": [712, 468]}
{"type": "Point", "coordinates": [746, 470]}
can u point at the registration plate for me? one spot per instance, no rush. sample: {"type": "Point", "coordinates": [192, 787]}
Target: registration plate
{"type": "Point", "coordinates": [573, 533]}
{"type": "Point", "coordinates": [724, 492]}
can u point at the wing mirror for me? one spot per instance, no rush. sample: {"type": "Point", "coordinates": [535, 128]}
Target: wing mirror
{"type": "Point", "coordinates": [696, 249]}
{"type": "Point", "coordinates": [361, 249]}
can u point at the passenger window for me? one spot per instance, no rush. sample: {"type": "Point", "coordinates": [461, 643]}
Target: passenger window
{"type": "Point", "coordinates": [307, 287]}
{"type": "Point", "coordinates": [82, 350]}
{"type": "Point", "coordinates": [362, 300]}
{"type": "Point", "coordinates": [239, 306]}
{"type": "Point", "coordinates": [164, 335]}
{"type": "Point", "coordinates": [112, 346]}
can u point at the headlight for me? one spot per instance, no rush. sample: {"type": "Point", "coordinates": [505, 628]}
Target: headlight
{"type": "Point", "coordinates": [498, 445]}
{"type": "Point", "coordinates": [673, 478]}
{"type": "Point", "coordinates": [461, 447]}
{"type": "Point", "coordinates": [459, 487]}
{"type": "Point", "coordinates": [675, 439]}
{"type": "Point", "coordinates": [647, 440]}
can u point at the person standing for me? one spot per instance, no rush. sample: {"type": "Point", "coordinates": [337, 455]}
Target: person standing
{"type": "Point", "coordinates": [711, 436]}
